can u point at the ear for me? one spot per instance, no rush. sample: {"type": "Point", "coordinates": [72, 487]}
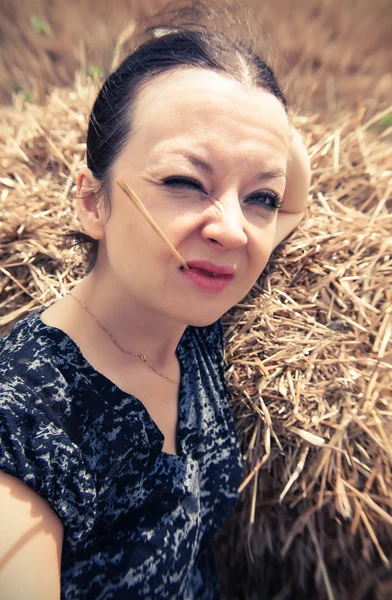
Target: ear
{"type": "Point", "coordinates": [89, 204]}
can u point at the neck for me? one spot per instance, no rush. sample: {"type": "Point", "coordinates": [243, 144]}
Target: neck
{"type": "Point", "coordinates": [135, 326]}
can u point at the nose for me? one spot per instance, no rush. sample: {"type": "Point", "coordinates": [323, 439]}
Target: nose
{"type": "Point", "coordinates": [225, 222]}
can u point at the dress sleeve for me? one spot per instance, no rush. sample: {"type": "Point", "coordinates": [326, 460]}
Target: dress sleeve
{"type": "Point", "coordinates": [35, 448]}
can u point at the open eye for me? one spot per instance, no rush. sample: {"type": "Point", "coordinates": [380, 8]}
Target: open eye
{"type": "Point", "coordinates": [178, 182]}
{"type": "Point", "coordinates": [265, 199]}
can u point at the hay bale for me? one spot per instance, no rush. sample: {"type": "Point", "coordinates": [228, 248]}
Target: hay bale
{"type": "Point", "coordinates": [308, 356]}
{"type": "Point", "coordinates": [334, 51]}
{"type": "Point", "coordinates": [309, 371]}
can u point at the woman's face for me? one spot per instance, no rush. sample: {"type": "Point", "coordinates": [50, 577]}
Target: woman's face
{"type": "Point", "coordinates": [207, 157]}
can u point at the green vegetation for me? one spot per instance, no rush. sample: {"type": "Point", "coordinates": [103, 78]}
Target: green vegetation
{"type": "Point", "coordinates": [385, 121]}
{"type": "Point", "coordinates": [383, 124]}
{"type": "Point", "coordinates": [95, 72]}
{"type": "Point", "coordinates": [17, 89]}
{"type": "Point", "coordinates": [40, 26]}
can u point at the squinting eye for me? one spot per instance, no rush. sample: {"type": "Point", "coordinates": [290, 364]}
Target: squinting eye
{"type": "Point", "coordinates": [265, 199]}
{"type": "Point", "coordinates": [183, 183]}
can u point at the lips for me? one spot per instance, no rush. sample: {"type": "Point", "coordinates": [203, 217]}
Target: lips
{"type": "Point", "coordinates": [207, 276]}
{"type": "Point", "coordinates": [211, 268]}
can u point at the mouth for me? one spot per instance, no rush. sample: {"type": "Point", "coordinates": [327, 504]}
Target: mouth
{"type": "Point", "coordinates": [210, 269]}
{"type": "Point", "coordinates": [201, 271]}
{"type": "Point", "coordinates": [208, 276]}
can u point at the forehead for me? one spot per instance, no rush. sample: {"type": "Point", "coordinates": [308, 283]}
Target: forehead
{"type": "Point", "coordinates": [203, 110]}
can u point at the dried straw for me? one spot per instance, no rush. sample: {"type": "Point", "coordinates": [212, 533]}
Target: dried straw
{"type": "Point", "coordinates": [140, 206]}
{"type": "Point", "coordinates": [309, 371]}
{"type": "Point", "coordinates": [308, 354]}
{"type": "Point", "coordinates": [345, 54]}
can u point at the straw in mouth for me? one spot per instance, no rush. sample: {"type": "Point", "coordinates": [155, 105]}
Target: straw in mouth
{"type": "Point", "coordinates": [138, 203]}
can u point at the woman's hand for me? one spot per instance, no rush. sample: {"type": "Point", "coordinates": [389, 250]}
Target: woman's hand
{"type": "Point", "coordinates": [297, 188]}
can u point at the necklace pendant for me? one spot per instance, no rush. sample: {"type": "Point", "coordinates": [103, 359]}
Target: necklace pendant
{"type": "Point", "coordinates": [144, 358]}
{"type": "Point", "coordinates": [141, 356]}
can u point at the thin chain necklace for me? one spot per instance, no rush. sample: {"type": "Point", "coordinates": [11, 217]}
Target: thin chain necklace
{"type": "Point", "coordinates": [142, 357]}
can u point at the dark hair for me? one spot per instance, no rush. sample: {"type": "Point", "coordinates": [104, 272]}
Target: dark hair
{"type": "Point", "coordinates": [159, 49]}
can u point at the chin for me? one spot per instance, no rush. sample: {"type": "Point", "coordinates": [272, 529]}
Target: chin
{"type": "Point", "coordinates": [202, 320]}
{"type": "Point", "coordinates": [202, 316]}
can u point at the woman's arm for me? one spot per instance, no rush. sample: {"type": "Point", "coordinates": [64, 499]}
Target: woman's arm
{"type": "Point", "coordinates": [297, 187]}
{"type": "Point", "coordinates": [30, 543]}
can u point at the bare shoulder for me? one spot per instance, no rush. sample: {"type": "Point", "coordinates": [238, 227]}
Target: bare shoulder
{"type": "Point", "coordinates": [30, 543]}
{"type": "Point", "coordinates": [56, 315]}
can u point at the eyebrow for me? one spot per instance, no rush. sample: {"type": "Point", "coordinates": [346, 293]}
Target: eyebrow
{"type": "Point", "coordinates": [196, 161]}
{"type": "Point", "coordinates": [205, 166]}
{"type": "Point", "coordinates": [275, 174]}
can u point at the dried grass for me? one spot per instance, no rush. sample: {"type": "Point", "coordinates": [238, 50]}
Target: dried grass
{"type": "Point", "coordinates": [330, 52]}
{"type": "Point", "coordinates": [308, 354]}
{"type": "Point", "coordinates": [309, 370]}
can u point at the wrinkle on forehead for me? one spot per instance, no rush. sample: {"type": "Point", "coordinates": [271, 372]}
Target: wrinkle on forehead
{"type": "Point", "coordinates": [198, 116]}
{"type": "Point", "coordinates": [201, 109]}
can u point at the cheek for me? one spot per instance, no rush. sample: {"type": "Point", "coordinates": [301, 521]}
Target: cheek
{"type": "Point", "coordinates": [261, 244]}
{"type": "Point", "coordinates": [259, 252]}
{"type": "Point", "coordinates": [125, 239]}
{"type": "Point", "coordinates": [179, 228]}
{"type": "Point", "coordinates": [133, 246]}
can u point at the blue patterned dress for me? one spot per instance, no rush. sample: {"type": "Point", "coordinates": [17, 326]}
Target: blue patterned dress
{"type": "Point", "coordinates": [137, 520]}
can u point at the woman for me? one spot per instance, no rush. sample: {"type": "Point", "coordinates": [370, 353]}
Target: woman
{"type": "Point", "coordinates": [119, 456]}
